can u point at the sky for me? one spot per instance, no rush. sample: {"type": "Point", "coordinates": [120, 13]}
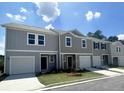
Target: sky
{"type": "Point", "coordinates": [85, 17]}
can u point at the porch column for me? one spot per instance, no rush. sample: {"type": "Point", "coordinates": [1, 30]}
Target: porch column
{"type": "Point", "coordinates": [57, 62]}
{"type": "Point", "coordinates": [62, 61]}
{"type": "Point", "coordinates": [76, 61]}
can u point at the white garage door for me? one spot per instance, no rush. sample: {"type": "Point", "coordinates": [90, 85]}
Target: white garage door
{"type": "Point", "coordinates": [22, 64]}
{"type": "Point", "coordinates": [96, 61]}
{"type": "Point", "coordinates": [121, 61]}
{"type": "Point", "coordinates": [85, 61]}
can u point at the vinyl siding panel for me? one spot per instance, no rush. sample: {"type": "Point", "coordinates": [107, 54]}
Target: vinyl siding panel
{"type": "Point", "coordinates": [17, 40]}
{"type": "Point", "coordinates": [76, 45]}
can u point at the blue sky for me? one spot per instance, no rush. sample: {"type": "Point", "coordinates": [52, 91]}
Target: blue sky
{"type": "Point", "coordinates": [86, 17]}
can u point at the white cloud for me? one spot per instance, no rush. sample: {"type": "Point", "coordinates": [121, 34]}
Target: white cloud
{"type": "Point", "coordinates": [97, 15]}
{"type": "Point", "coordinates": [121, 37]}
{"type": "Point", "coordinates": [23, 10]}
{"type": "Point", "coordinates": [49, 11]}
{"type": "Point", "coordinates": [50, 26]}
{"type": "Point", "coordinates": [16, 17]}
{"type": "Point", "coordinates": [9, 15]}
{"type": "Point", "coordinates": [2, 45]}
{"type": "Point", "coordinates": [90, 15]}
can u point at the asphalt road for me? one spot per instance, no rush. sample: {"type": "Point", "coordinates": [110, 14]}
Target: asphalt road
{"type": "Point", "coordinates": [109, 84]}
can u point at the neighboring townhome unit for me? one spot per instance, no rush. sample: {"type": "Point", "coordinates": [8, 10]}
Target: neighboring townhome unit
{"type": "Point", "coordinates": [117, 53]}
{"type": "Point", "coordinates": [30, 49]}
{"type": "Point", "coordinates": [101, 52]}
{"type": "Point", "coordinates": [76, 50]}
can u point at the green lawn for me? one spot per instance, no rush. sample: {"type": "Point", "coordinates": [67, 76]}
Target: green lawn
{"type": "Point", "coordinates": [52, 78]}
{"type": "Point", "coordinates": [121, 67]}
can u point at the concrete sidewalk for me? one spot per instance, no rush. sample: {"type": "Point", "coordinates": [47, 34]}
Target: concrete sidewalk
{"type": "Point", "coordinates": [117, 69]}
{"type": "Point", "coordinates": [20, 83]}
{"type": "Point", "coordinates": [104, 72]}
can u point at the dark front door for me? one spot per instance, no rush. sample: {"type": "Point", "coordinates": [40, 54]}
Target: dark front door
{"type": "Point", "coordinates": [70, 62]}
{"type": "Point", "coordinates": [44, 63]}
{"type": "Point", "coordinates": [115, 61]}
{"type": "Point", "coordinates": [105, 59]}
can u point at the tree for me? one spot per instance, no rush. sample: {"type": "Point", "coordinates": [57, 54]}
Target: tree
{"type": "Point", "coordinates": [90, 34]}
{"type": "Point", "coordinates": [112, 38]}
{"type": "Point", "coordinates": [98, 34]}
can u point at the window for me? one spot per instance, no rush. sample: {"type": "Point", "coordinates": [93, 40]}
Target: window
{"type": "Point", "coordinates": [68, 41]}
{"type": "Point", "coordinates": [35, 39]}
{"type": "Point", "coordinates": [52, 59]}
{"type": "Point", "coordinates": [83, 43]}
{"type": "Point", "coordinates": [118, 49]}
{"type": "Point", "coordinates": [31, 38]}
{"type": "Point", "coordinates": [96, 45]}
{"type": "Point", "coordinates": [41, 40]}
{"type": "Point", "coordinates": [103, 46]}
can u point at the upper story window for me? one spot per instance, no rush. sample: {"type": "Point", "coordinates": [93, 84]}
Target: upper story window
{"type": "Point", "coordinates": [35, 39]}
{"type": "Point", "coordinates": [68, 41]}
{"type": "Point", "coordinates": [118, 49]}
{"type": "Point", "coordinates": [41, 40]}
{"type": "Point", "coordinates": [31, 39]}
{"type": "Point", "coordinates": [83, 43]}
{"type": "Point", "coordinates": [103, 46]}
{"type": "Point", "coordinates": [95, 45]}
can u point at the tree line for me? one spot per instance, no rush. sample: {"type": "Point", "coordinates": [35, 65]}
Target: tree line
{"type": "Point", "coordinates": [98, 34]}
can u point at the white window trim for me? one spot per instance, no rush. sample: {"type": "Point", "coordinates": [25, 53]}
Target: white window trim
{"type": "Point", "coordinates": [85, 43]}
{"type": "Point", "coordinates": [36, 39]}
{"type": "Point", "coordinates": [101, 46]}
{"type": "Point", "coordinates": [70, 41]}
{"type": "Point", "coordinates": [118, 49]}
{"type": "Point", "coordinates": [97, 46]}
{"type": "Point", "coordinates": [28, 38]}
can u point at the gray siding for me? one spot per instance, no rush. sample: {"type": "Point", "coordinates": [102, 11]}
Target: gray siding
{"type": "Point", "coordinates": [17, 40]}
{"type": "Point", "coordinates": [76, 45]}
{"type": "Point", "coordinates": [97, 52]}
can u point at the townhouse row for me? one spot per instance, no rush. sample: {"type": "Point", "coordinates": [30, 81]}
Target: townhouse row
{"type": "Point", "coordinates": [31, 49]}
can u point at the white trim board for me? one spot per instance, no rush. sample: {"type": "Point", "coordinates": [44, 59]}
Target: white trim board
{"type": "Point", "coordinates": [40, 51]}
{"type": "Point", "coordinates": [78, 53]}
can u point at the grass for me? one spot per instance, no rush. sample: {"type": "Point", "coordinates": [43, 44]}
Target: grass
{"type": "Point", "coordinates": [52, 78]}
{"type": "Point", "coordinates": [121, 67]}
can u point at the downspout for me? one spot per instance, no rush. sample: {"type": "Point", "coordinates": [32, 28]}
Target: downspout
{"type": "Point", "coordinates": [59, 52]}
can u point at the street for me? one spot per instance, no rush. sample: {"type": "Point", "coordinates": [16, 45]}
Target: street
{"type": "Point", "coordinates": [109, 84]}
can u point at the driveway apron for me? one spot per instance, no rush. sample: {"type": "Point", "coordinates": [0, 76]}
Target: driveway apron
{"type": "Point", "coordinates": [20, 83]}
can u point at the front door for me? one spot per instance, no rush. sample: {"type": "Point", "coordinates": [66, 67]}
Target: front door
{"type": "Point", "coordinates": [115, 61]}
{"type": "Point", "coordinates": [70, 62]}
{"type": "Point", "coordinates": [44, 62]}
{"type": "Point", "coordinates": [105, 59]}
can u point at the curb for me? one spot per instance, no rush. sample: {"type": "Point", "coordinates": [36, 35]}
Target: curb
{"type": "Point", "coordinates": [75, 83]}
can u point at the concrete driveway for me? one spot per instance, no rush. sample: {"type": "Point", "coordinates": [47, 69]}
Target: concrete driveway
{"type": "Point", "coordinates": [20, 83]}
{"type": "Point", "coordinates": [117, 69]}
{"type": "Point", "coordinates": [104, 72]}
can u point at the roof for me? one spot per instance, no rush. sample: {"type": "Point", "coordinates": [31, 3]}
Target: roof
{"type": "Point", "coordinates": [27, 27]}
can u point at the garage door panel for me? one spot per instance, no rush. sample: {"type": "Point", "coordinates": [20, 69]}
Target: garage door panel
{"type": "Point", "coordinates": [121, 61]}
{"type": "Point", "coordinates": [85, 61]}
{"type": "Point", "coordinates": [96, 61]}
{"type": "Point", "coordinates": [19, 65]}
